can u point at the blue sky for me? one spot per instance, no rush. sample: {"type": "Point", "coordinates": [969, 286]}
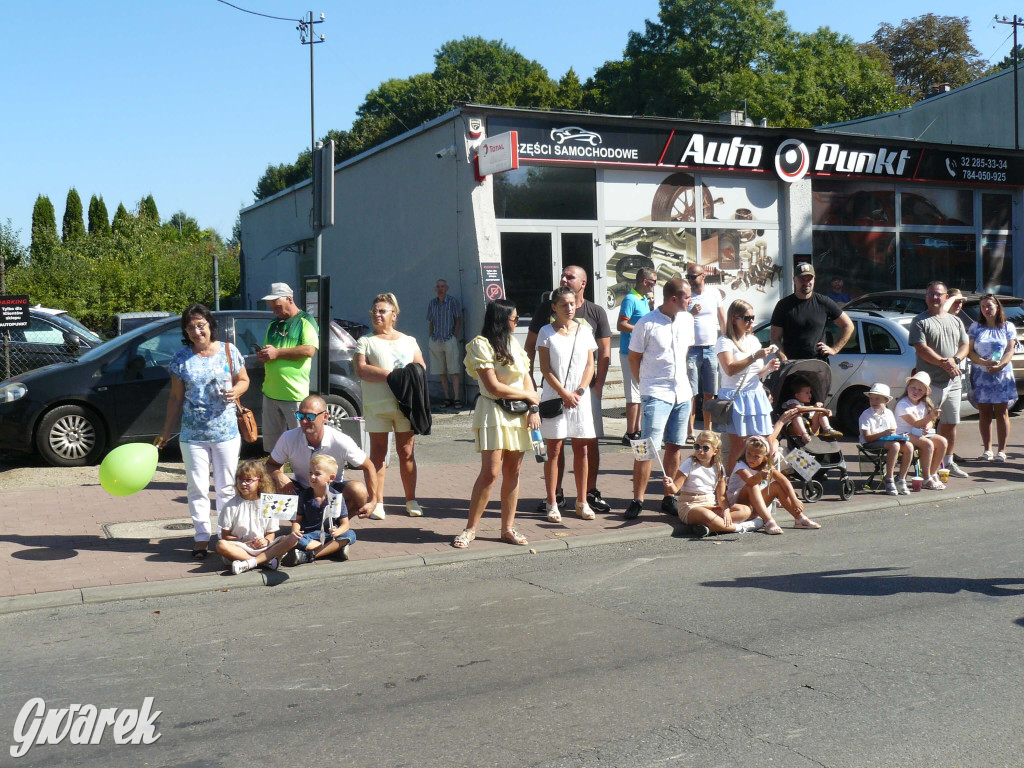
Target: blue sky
{"type": "Point", "coordinates": [190, 100]}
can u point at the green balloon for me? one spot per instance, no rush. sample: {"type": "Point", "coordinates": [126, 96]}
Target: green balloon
{"type": "Point", "coordinates": [128, 468]}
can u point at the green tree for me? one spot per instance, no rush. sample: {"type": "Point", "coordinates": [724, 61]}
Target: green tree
{"type": "Point", "coordinates": [148, 212]}
{"type": "Point", "coordinates": [122, 220]}
{"type": "Point", "coordinates": [1007, 61]}
{"type": "Point", "coordinates": [570, 91]}
{"type": "Point", "coordinates": [72, 225]}
{"type": "Point", "coordinates": [99, 223]}
{"type": "Point", "coordinates": [702, 58]}
{"type": "Point", "coordinates": [928, 50]}
{"type": "Point", "coordinates": [181, 226]}
{"type": "Point", "coordinates": [44, 229]}
{"type": "Point", "coordinates": [12, 251]}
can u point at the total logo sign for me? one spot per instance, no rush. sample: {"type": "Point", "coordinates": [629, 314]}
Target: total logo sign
{"type": "Point", "coordinates": [793, 158]}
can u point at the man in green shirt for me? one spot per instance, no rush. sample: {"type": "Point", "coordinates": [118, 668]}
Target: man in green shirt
{"type": "Point", "coordinates": [288, 348]}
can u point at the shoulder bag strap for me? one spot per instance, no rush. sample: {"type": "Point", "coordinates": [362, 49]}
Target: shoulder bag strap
{"type": "Point", "coordinates": [231, 370]}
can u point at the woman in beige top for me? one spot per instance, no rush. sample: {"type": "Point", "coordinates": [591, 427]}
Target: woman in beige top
{"type": "Point", "coordinates": [376, 356]}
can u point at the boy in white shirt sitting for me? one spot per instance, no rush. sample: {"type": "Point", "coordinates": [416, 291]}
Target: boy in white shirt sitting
{"type": "Point", "coordinates": [878, 430]}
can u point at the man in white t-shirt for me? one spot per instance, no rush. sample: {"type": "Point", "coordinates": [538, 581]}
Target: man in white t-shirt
{"type": "Point", "coordinates": [314, 436]}
{"type": "Point", "coordinates": [707, 305]}
{"type": "Point", "coordinates": [657, 356]}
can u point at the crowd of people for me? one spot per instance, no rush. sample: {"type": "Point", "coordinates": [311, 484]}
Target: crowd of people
{"type": "Point", "coordinates": [680, 359]}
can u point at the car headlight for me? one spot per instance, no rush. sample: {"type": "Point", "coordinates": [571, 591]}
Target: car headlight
{"type": "Point", "coordinates": [11, 392]}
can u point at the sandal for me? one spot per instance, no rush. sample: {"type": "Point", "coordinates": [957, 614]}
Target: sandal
{"type": "Point", "coordinates": [463, 539]}
{"type": "Point", "coordinates": [805, 522]}
{"type": "Point", "coordinates": [987, 456]}
{"type": "Point", "coordinates": [1001, 456]}
{"type": "Point", "coordinates": [772, 528]}
{"type": "Point", "coordinates": [690, 442]}
{"type": "Point", "coordinates": [512, 536]}
{"type": "Point", "coordinates": [200, 554]}
{"type": "Point", "coordinates": [554, 516]}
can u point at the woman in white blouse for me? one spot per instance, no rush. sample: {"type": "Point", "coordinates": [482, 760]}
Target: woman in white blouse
{"type": "Point", "coordinates": [742, 366]}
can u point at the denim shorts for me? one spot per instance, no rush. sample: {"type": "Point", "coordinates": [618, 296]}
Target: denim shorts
{"type": "Point", "coordinates": [659, 419]}
{"type": "Point", "coordinates": [323, 537]}
{"type": "Point", "coordinates": [702, 370]}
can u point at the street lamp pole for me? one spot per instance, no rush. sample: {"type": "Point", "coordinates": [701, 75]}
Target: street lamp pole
{"type": "Point", "coordinates": [1016, 22]}
{"type": "Point", "coordinates": [306, 37]}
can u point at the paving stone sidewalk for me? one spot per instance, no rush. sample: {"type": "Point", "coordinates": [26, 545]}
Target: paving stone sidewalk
{"type": "Point", "coordinates": [67, 538]}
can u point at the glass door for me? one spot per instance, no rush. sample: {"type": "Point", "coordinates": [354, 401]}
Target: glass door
{"type": "Point", "coordinates": [532, 260]}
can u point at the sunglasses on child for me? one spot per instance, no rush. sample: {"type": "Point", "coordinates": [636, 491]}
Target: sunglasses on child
{"type": "Point", "coordinates": [703, 448]}
{"type": "Point", "coordinates": [308, 416]}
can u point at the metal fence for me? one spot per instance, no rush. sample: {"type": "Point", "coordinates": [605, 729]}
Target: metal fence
{"type": "Point", "coordinates": [23, 350]}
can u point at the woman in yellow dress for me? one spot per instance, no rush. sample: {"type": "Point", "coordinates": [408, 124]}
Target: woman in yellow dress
{"type": "Point", "coordinates": [499, 363]}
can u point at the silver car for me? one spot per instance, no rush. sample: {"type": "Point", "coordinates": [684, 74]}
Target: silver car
{"type": "Point", "coordinates": [878, 351]}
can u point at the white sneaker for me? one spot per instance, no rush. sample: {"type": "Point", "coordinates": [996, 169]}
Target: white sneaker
{"type": "Point", "coordinates": [901, 486]}
{"type": "Point", "coordinates": [413, 508]}
{"type": "Point", "coordinates": [954, 469]}
{"type": "Point", "coordinates": [378, 512]}
{"type": "Point", "coordinates": [890, 487]}
{"type": "Point", "coordinates": [240, 566]}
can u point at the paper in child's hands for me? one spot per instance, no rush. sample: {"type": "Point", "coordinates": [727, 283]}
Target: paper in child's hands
{"type": "Point", "coordinates": [279, 505]}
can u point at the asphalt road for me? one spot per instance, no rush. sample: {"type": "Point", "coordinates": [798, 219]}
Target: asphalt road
{"type": "Point", "coordinates": [885, 639]}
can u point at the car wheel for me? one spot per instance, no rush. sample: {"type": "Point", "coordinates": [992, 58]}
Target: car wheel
{"type": "Point", "coordinates": [71, 436]}
{"type": "Point", "coordinates": [339, 408]}
{"type": "Point", "coordinates": [851, 405]}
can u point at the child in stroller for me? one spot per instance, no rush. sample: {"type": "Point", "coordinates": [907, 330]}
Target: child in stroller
{"type": "Point", "coordinates": [788, 386]}
{"type": "Point", "coordinates": [814, 417]}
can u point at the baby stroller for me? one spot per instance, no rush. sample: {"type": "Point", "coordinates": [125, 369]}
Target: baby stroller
{"type": "Point", "coordinates": [825, 451]}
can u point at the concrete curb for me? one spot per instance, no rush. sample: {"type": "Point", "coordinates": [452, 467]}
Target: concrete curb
{"type": "Point", "coordinates": [220, 582]}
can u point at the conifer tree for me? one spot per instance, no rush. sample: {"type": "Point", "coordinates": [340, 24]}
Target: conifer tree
{"type": "Point", "coordinates": [73, 226]}
{"type": "Point", "coordinates": [99, 223]}
{"type": "Point", "coordinates": [44, 228]}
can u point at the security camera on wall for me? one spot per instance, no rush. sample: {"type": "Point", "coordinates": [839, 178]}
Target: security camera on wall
{"type": "Point", "coordinates": [446, 152]}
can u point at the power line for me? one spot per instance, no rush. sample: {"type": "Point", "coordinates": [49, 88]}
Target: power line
{"type": "Point", "coordinates": [256, 13]}
{"type": "Point", "coordinates": [989, 59]}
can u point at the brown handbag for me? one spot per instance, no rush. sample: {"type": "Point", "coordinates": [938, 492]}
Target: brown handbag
{"type": "Point", "coordinates": [246, 420]}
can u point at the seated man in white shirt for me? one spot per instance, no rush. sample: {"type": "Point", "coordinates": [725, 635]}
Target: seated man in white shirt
{"type": "Point", "coordinates": [657, 357]}
{"type": "Point", "coordinates": [312, 436]}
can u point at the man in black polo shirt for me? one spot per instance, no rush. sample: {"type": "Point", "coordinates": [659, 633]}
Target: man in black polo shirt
{"type": "Point", "coordinates": [799, 320]}
{"type": "Point", "coordinates": [596, 319]}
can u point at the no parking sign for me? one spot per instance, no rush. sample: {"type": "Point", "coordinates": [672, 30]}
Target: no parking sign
{"type": "Point", "coordinates": [494, 285]}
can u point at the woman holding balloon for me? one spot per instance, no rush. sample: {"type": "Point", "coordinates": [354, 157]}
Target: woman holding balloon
{"type": "Point", "coordinates": [207, 379]}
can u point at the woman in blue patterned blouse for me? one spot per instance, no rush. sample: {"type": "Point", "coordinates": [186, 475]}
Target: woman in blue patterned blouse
{"type": "Point", "coordinates": [204, 390]}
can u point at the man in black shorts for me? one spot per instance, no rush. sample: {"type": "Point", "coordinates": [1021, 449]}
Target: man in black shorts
{"type": "Point", "coordinates": [799, 320]}
{"type": "Point", "coordinates": [596, 319]}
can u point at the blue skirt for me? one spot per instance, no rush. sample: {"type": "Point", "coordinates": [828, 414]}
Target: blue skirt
{"type": "Point", "coordinates": [751, 412]}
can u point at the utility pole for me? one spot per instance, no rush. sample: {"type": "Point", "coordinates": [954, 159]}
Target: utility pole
{"type": "Point", "coordinates": [306, 37]}
{"type": "Point", "coordinates": [1016, 22]}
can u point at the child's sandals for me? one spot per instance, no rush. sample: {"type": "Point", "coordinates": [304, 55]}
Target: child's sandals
{"type": "Point", "coordinates": [772, 528]}
{"type": "Point", "coordinates": [805, 522]}
{"type": "Point", "coordinates": [512, 536]}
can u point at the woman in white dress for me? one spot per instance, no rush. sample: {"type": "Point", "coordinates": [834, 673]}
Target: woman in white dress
{"type": "Point", "coordinates": [742, 366]}
{"type": "Point", "coordinates": [565, 350]}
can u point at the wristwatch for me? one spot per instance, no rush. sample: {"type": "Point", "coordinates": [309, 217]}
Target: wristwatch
{"type": "Point", "coordinates": [534, 409]}
{"type": "Point", "coordinates": [580, 391]}
{"type": "Point", "coordinates": [957, 361]}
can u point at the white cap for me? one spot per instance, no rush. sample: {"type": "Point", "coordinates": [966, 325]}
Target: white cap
{"type": "Point", "coordinates": [279, 291]}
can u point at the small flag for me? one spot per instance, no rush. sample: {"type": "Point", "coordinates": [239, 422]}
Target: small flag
{"type": "Point", "coordinates": [279, 505]}
{"type": "Point", "coordinates": [644, 450]}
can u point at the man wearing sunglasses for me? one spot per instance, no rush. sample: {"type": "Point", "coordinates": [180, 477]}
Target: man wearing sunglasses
{"type": "Point", "coordinates": [799, 320]}
{"type": "Point", "coordinates": [314, 436]}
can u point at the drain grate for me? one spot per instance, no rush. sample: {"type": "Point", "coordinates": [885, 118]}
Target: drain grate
{"type": "Point", "coordinates": [178, 527]}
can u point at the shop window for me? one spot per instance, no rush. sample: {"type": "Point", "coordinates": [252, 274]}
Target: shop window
{"type": "Point", "coordinates": [996, 211]}
{"type": "Point", "coordinates": [526, 268]}
{"type": "Point", "coordinates": [865, 260]}
{"type": "Point", "coordinates": [997, 263]}
{"type": "Point", "coordinates": [950, 258]}
{"type": "Point", "coordinates": [852, 205]}
{"type": "Point", "coordinates": [546, 193]}
{"type": "Point", "coordinates": [937, 207]}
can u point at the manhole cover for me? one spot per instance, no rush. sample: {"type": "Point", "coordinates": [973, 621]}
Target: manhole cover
{"type": "Point", "coordinates": [178, 527]}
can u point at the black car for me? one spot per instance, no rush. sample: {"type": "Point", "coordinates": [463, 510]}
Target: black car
{"type": "Point", "coordinates": [911, 301]}
{"type": "Point", "coordinates": [52, 336]}
{"type": "Point", "coordinates": [72, 413]}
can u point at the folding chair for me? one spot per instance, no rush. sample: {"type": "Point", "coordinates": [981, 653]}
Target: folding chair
{"type": "Point", "coordinates": [872, 466]}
